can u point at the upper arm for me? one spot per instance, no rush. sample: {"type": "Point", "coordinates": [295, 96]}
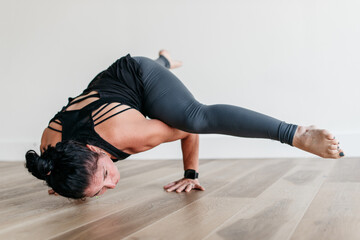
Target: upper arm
{"type": "Point", "coordinates": [154, 132]}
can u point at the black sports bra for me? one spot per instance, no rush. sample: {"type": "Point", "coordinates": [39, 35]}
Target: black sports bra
{"type": "Point", "coordinates": [120, 83]}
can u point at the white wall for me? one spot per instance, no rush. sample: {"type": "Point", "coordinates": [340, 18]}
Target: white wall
{"type": "Point", "coordinates": [295, 60]}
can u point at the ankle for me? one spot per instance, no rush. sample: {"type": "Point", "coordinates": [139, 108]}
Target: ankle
{"type": "Point", "coordinates": [297, 140]}
{"type": "Point", "coordinates": [166, 61]}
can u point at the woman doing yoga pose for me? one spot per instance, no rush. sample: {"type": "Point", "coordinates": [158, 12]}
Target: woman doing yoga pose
{"type": "Point", "coordinates": [107, 122]}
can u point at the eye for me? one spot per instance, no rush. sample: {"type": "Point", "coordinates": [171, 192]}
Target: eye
{"type": "Point", "coordinates": [106, 173]}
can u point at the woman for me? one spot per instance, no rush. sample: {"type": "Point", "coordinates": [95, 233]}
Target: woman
{"type": "Point", "coordinates": [107, 122]}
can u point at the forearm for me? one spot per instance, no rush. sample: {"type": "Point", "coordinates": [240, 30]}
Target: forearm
{"type": "Point", "coordinates": [190, 151]}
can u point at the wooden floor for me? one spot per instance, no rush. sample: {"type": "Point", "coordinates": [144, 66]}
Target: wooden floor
{"type": "Point", "coordinates": [244, 199]}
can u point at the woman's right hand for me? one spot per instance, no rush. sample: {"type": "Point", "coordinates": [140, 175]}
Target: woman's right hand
{"type": "Point", "coordinates": [184, 184]}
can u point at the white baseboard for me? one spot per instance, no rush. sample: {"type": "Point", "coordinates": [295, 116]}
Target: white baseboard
{"type": "Point", "coordinates": [211, 147]}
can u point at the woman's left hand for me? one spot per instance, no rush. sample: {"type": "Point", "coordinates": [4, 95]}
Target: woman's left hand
{"type": "Point", "coordinates": [184, 184]}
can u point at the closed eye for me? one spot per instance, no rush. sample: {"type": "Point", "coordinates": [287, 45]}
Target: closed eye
{"type": "Point", "coordinates": [105, 174]}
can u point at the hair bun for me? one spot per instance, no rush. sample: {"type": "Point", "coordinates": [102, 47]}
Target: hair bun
{"type": "Point", "coordinates": [38, 166]}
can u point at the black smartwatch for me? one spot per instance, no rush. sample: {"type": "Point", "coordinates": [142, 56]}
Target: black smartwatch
{"type": "Point", "coordinates": [191, 173]}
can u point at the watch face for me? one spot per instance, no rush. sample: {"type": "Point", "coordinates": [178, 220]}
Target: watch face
{"type": "Point", "coordinates": [190, 173]}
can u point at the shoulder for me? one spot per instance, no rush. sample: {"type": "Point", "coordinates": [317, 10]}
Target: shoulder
{"type": "Point", "coordinates": [49, 137]}
{"type": "Point", "coordinates": [124, 131]}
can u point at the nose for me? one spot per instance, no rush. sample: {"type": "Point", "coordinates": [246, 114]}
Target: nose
{"type": "Point", "coordinates": [110, 184]}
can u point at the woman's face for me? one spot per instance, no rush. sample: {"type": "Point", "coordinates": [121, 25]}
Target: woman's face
{"type": "Point", "coordinates": [106, 177]}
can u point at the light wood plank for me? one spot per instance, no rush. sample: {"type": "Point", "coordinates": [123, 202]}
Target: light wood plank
{"type": "Point", "coordinates": [124, 223]}
{"type": "Point", "coordinates": [131, 191]}
{"type": "Point", "coordinates": [23, 208]}
{"type": "Point", "coordinates": [244, 199]}
{"type": "Point", "coordinates": [335, 212]}
{"type": "Point", "coordinates": [211, 211]}
{"type": "Point", "coordinates": [29, 179]}
{"type": "Point", "coordinates": [275, 213]}
{"type": "Point", "coordinates": [8, 165]}
{"type": "Point", "coordinates": [22, 183]}
{"type": "Point", "coordinates": [256, 182]}
{"type": "Point", "coordinates": [345, 170]}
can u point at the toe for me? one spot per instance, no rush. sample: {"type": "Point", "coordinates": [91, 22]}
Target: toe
{"type": "Point", "coordinates": [334, 147]}
{"type": "Point", "coordinates": [341, 153]}
{"type": "Point", "coordinates": [333, 154]}
{"type": "Point", "coordinates": [328, 134]}
{"type": "Point", "coordinates": [163, 51]}
{"type": "Point", "coordinates": [176, 64]}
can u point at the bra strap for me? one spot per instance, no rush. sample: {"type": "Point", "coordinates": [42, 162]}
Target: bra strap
{"type": "Point", "coordinates": [79, 100]}
{"type": "Point", "coordinates": [107, 104]}
{"type": "Point", "coordinates": [112, 116]}
{"type": "Point", "coordinates": [106, 112]}
{"type": "Point", "coordinates": [54, 129]}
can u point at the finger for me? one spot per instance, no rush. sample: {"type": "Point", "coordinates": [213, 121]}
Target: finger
{"type": "Point", "coordinates": [188, 188]}
{"type": "Point", "coordinates": [181, 188]}
{"type": "Point", "coordinates": [169, 185]}
{"type": "Point", "coordinates": [51, 191]}
{"type": "Point", "coordinates": [173, 187]}
{"type": "Point", "coordinates": [197, 186]}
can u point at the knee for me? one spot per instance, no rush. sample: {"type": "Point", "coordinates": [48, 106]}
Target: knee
{"type": "Point", "coordinates": [197, 120]}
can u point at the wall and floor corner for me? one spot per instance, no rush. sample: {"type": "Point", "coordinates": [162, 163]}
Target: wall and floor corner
{"type": "Point", "coordinates": [294, 60]}
{"type": "Point", "coordinates": [211, 147]}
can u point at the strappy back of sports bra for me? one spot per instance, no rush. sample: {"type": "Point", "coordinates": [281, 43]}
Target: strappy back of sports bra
{"type": "Point", "coordinates": [79, 124]}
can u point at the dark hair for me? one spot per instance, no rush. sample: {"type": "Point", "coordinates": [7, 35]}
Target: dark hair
{"type": "Point", "coordinates": [70, 164]}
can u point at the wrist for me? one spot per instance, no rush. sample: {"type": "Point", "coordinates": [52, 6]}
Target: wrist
{"type": "Point", "coordinates": [191, 174]}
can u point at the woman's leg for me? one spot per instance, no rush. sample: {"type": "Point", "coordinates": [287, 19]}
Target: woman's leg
{"type": "Point", "coordinates": [167, 99]}
{"type": "Point", "coordinates": [163, 61]}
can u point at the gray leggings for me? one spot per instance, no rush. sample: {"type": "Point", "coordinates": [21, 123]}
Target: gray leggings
{"type": "Point", "coordinates": [168, 100]}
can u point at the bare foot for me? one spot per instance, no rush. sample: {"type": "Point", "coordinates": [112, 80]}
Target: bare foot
{"type": "Point", "coordinates": [317, 141]}
{"type": "Point", "coordinates": [173, 63]}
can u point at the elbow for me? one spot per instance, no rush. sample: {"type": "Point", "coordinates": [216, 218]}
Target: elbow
{"type": "Point", "coordinates": [145, 145]}
{"type": "Point", "coordinates": [142, 148]}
